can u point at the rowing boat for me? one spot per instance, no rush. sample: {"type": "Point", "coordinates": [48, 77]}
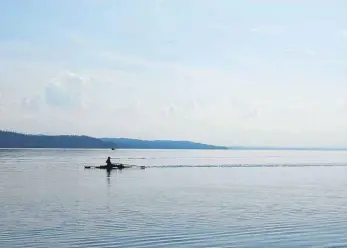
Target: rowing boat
{"type": "Point", "coordinates": [115, 167]}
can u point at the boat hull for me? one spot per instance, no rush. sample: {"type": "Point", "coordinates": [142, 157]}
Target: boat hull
{"type": "Point", "coordinates": [115, 167]}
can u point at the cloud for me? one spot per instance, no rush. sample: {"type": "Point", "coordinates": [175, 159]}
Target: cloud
{"type": "Point", "coordinates": [341, 105]}
{"type": "Point", "coordinates": [344, 33]}
{"type": "Point", "coordinates": [153, 99]}
{"type": "Point", "coordinates": [66, 91]}
{"type": "Point", "coordinates": [1, 104]}
{"type": "Point", "coordinates": [138, 63]}
{"type": "Point", "coordinates": [309, 52]}
{"type": "Point", "coordinates": [32, 104]}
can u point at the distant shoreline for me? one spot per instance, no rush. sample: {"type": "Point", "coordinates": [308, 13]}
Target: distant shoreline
{"type": "Point", "coordinates": [14, 140]}
{"type": "Point", "coordinates": [177, 149]}
{"type": "Point", "coordinates": [19, 140]}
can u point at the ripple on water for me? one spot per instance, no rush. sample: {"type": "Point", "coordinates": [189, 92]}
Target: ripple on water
{"type": "Point", "coordinates": [48, 200]}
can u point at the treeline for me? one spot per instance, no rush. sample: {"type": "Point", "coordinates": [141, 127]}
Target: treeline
{"type": "Point", "coordinates": [159, 144]}
{"type": "Point", "coordinates": [18, 140]}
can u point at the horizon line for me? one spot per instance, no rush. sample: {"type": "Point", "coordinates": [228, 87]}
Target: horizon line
{"type": "Point", "coordinates": [229, 147]}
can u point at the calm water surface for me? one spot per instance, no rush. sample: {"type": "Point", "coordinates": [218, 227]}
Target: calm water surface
{"type": "Point", "coordinates": [184, 199]}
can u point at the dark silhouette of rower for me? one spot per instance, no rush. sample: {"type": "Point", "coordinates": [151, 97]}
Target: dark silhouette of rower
{"type": "Point", "coordinates": [109, 165]}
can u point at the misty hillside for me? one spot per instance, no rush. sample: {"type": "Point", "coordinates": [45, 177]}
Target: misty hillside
{"type": "Point", "coordinates": [18, 140]}
{"type": "Point", "coordinates": [158, 144]}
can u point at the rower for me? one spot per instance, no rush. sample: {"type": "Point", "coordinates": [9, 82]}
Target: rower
{"type": "Point", "coordinates": [108, 163]}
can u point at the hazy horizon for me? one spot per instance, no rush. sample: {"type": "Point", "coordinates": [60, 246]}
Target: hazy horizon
{"type": "Point", "coordinates": [237, 147]}
{"type": "Point", "coordinates": [231, 73]}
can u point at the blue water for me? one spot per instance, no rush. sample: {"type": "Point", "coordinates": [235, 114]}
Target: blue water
{"type": "Point", "coordinates": [183, 199]}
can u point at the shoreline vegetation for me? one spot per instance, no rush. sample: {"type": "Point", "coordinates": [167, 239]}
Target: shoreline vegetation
{"type": "Point", "coordinates": [10, 139]}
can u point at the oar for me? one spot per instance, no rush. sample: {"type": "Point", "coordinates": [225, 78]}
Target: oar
{"type": "Point", "coordinates": [134, 165]}
{"type": "Point", "coordinates": [91, 167]}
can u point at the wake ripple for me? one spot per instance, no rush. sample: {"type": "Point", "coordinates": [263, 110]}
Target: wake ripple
{"type": "Point", "coordinates": [245, 166]}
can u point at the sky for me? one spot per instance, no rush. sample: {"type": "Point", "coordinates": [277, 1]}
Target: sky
{"type": "Point", "coordinates": [241, 72]}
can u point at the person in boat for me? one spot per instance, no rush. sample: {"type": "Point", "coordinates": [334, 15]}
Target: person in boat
{"type": "Point", "coordinates": [109, 165]}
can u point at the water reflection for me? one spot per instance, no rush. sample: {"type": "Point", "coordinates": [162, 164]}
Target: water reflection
{"type": "Point", "coordinates": [109, 172]}
{"type": "Point", "coordinates": [219, 207]}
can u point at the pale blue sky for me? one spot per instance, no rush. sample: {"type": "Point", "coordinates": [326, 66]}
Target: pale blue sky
{"type": "Point", "coordinates": [260, 72]}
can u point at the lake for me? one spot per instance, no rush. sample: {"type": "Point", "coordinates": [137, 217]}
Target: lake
{"type": "Point", "coordinates": [183, 199]}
